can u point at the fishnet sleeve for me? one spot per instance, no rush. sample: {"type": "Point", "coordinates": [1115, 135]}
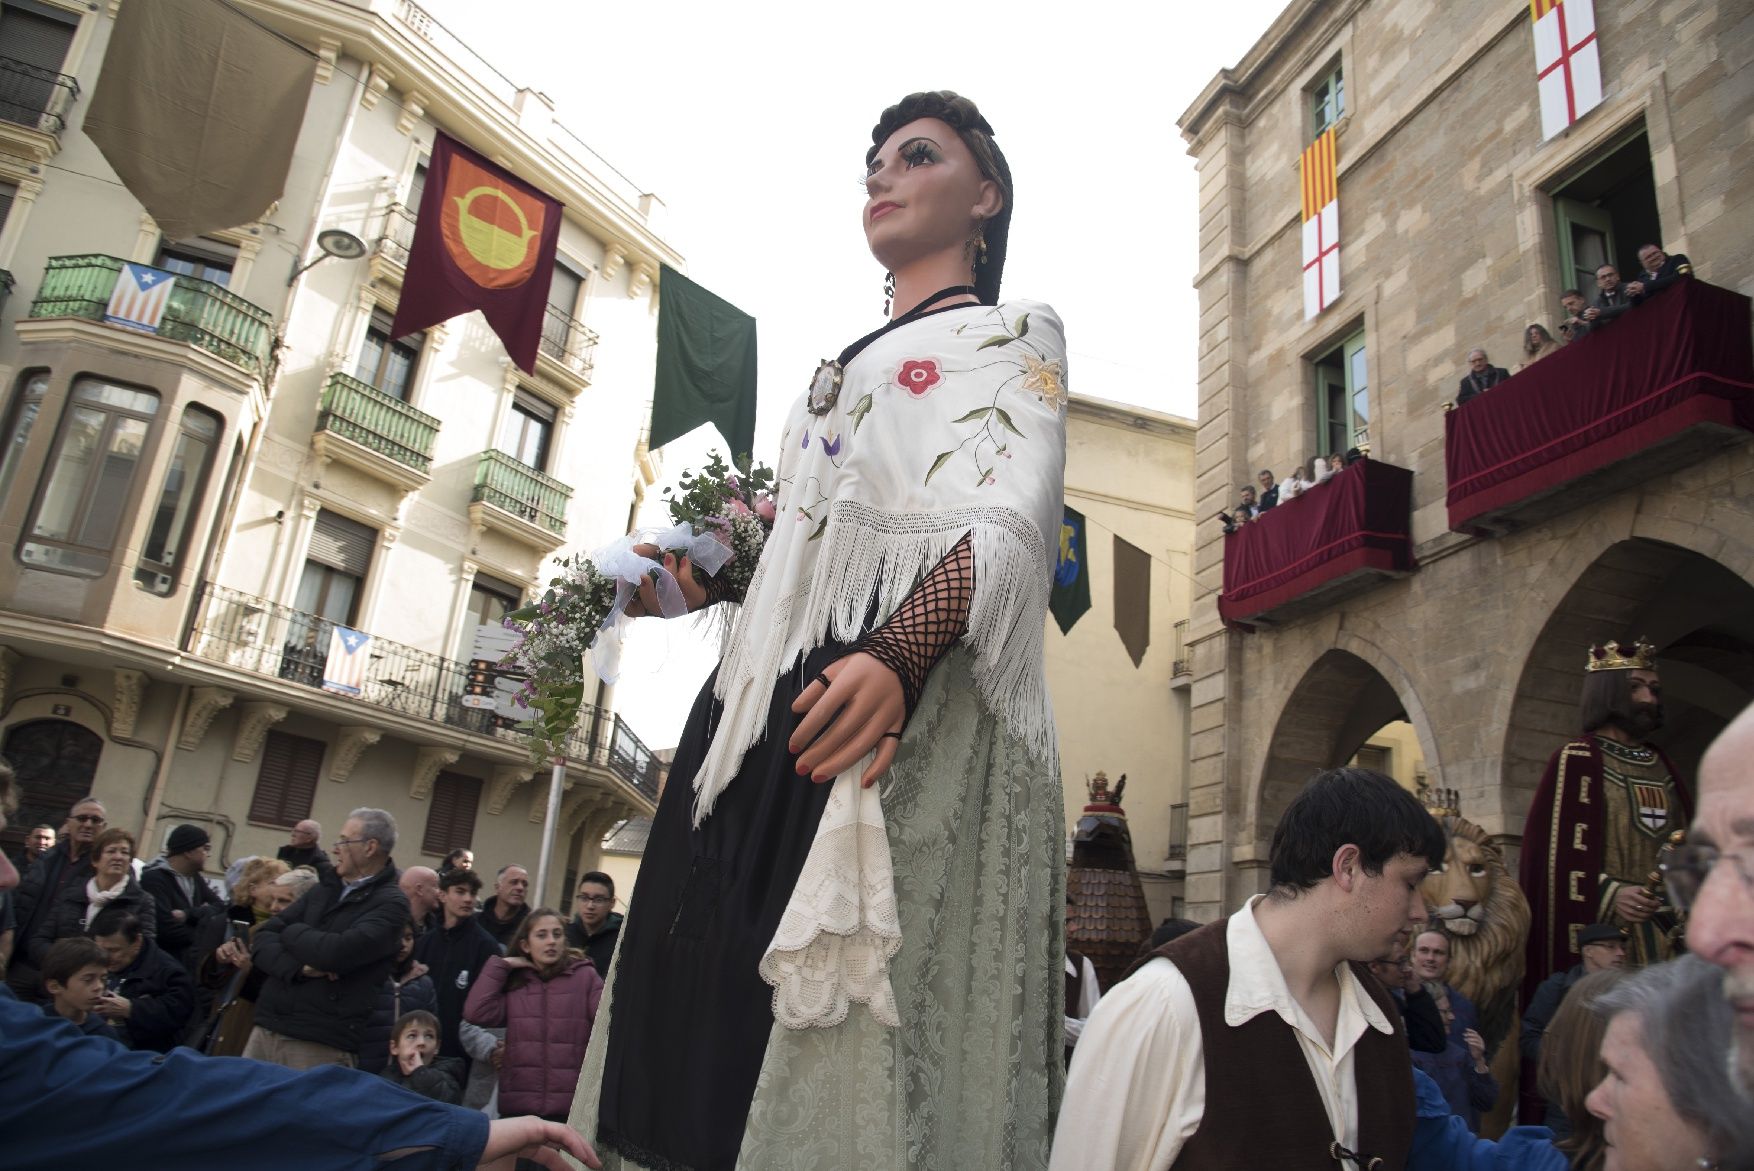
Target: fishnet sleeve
{"type": "Point", "coordinates": [718, 589]}
{"type": "Point", "coordinates": [927, 623]}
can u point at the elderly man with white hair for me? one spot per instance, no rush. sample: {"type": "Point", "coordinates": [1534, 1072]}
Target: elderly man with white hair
{"type": "Point", "coordinates": [1481, 377]}
{"type": "Point", "coordinates": [326, 955]}
{"type": "Point", "coordinates": [1712, 878]}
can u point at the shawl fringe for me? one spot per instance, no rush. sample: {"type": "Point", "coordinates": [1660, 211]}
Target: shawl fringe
{"type": "Point", "coordinates": [869, 555]}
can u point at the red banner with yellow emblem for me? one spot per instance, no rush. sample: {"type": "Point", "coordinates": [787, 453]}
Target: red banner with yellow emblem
{"type": "Point", "coordinates": [484, 240]}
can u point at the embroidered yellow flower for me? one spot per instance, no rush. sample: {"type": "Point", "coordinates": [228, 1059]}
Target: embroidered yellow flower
{"type": "Point", "coordinates": [1043, 378]}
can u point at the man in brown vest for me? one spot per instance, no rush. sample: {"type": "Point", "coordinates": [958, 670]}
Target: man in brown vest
{"type": "Point", "coordinates": [1262, 1040]}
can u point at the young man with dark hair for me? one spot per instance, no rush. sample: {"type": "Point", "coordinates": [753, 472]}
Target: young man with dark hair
{"type": "Point", "coordinates": [1574, 326]}
{"type": "Point", "coordinates": [594, 928]}
{"type": "Point", "coordinates": [455, 953]}
{"type": "Point", "coordinates": [1174, 1064]}
{"type": "Point", "coordinates": [181, 898]}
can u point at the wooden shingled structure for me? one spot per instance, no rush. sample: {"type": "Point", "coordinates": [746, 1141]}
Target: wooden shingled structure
{"type": "Point", "coordinates": [1106, 916]}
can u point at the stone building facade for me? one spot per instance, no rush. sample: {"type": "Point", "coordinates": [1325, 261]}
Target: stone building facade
{"type": "Point", "coordinates": [275, 466]}
{"type": "Point", "coordinates": [1459, 225]}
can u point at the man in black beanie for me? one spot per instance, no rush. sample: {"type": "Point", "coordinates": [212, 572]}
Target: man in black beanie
{"type": "Point", "coordinates": [184, 900]}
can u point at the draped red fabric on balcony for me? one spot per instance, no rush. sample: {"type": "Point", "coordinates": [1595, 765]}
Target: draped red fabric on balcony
{"type": "Point", "coordinates": [1355, 523]}
{"type": "Point", "coordinates": [1682, 359]}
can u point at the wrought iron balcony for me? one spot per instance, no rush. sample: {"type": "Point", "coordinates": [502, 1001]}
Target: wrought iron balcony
{"type": "Point", "coordinates": [522, 491]}
{"type": "Point", "coordinates": [35, 97]}
{"type": "Point", "coordinates": [5, 287]}
{"type": "Point", "coordinates": [1178, 832]}
{"type": "Point", "coordinates": [1179, 663]}
{"type": "Point", "coordinates": [397, 236]}
{"type": "Point", "coordinates": [567, 341]}
{"type": "Point", "coordinates": [198, 312]}
{"type": "Point", "coordinates": [263, 638]}
{"type": "Point", "coordinates": [358, 411]}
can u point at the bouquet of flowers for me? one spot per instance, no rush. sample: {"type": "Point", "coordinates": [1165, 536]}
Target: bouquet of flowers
{"type": "Point", "coordinates": [722, 518]}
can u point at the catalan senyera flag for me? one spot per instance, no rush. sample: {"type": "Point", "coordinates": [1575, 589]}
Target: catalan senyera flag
{"type": "Point", "coordinates": [1321, 225]}
{"type": "Point", "coordinates": [485, 240]}
{"type": "Point", "coordinates": [1568, 67]}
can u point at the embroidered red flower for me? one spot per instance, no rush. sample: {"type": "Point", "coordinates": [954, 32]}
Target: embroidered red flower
{"type": "Point", "coordinates": [918, 376]}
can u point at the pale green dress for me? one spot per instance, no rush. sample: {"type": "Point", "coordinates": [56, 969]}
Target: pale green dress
{"type": "Point", "coordinates": [972, 1078]}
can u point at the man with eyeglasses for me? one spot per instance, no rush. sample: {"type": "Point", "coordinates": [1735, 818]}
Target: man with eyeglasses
{"type": "Point", "coordinates": [1711, 878]}
{"type": "Point", "coordinates": [328, 954]}
{"type": "Point", "coordinates": [594, 927]}
{"type": "Point", "coordinates": [68, 861]}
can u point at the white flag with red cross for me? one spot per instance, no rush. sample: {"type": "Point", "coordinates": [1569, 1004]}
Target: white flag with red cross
{"type": "Point", "coordinates": [1321, 225]}
{"type": "Point", "coordinates": [1568, 67]}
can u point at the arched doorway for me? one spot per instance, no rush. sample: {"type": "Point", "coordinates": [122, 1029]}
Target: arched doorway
{"type": "Point", "coordinates": [55, 761]}
{"type": "Point", "coordinates": [1341, 709]}
{"type": "Point", "coordinates": [1698, 614]}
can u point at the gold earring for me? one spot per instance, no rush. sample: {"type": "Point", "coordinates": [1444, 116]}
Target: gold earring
{"type": "Point", "coordinates": [979, 245]}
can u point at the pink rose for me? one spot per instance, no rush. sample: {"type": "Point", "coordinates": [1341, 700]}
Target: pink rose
{"type": "Point", "coordinates": [918, 376]}
{"type": "Point", "coordinates": [764, 508]}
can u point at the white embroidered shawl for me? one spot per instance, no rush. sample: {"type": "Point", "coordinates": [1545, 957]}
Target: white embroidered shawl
{"type": "Point", "coordinates": [949, 425]}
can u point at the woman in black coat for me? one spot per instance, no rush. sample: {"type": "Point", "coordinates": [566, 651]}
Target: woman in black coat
{"type": "Point", "coordinates": [112, 884]}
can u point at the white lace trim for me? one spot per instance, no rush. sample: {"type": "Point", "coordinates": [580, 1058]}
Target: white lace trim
{"type": "Point", "coordinates": [865, 551]}
{"type": "Point", "coordinates": [841, 928]}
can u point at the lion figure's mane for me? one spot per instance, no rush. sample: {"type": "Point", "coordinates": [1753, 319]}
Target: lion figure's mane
{"type": "Point", "coordinates": [1488, 963]}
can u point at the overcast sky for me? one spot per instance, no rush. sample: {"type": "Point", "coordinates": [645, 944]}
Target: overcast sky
{"type": "Point", "coordinates": [751, 121]}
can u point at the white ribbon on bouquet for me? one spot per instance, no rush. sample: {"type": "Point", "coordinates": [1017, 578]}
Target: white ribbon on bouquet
{"type": "Point", "coordinates": [631, 569]}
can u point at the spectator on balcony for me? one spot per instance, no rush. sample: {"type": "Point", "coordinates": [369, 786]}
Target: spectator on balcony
{"type": "Point", "coordinates": [1481, 377]}
{"type": "Point", "coordinates": [1660, 271]}
{"type": "Point", "coordinates": [1269, 497]}
{"type": "Point", "coordinates": [1245, 510]}
{"type": "Point", "coordinates": [1537, 344]}
{"type": "Point", "coordinates": [1574, 326]}
{"type": "Point", "coordinates": [1294, 484]}
{"type": "Point", "coordinates": [1324, 468]}
{"type": "Point", "coordinates": [1612, 299]}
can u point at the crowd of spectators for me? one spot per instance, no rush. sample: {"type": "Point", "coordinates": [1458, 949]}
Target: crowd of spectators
{"type": "Point", "coordinates": [1251, 505]}
{"type": "Point", "coordinates": [314, 957]}
{"type": "Point", "coordinates": [1614, 298]}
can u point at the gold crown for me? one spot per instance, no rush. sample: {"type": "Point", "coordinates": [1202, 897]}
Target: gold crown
{"type": "Point", "coordinates": [1622, 656]}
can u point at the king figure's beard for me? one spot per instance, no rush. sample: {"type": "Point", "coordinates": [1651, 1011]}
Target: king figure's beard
{"type": "Point", "coordinates": [1645, 719]}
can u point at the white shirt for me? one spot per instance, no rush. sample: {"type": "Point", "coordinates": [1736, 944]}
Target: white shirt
{"type": "Point", "coordinates": [1137, 1087]}
{"type": "Point", "coordinates": [1089, 992]}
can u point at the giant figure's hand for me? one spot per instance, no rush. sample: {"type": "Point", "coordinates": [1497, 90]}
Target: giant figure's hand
{"type": "Point", "coordinates": [848, 718]}
{"type": "Point", "coordinates": [1634, 904]}
{"type": "Point", "coordinates": [644, 602]}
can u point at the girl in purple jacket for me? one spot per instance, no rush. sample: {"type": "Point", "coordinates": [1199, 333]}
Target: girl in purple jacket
{"type": "Point", "coordinates": [545, 997]}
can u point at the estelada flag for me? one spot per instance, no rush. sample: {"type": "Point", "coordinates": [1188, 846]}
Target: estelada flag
{"type": "Point", "coordinates": [484, 240]}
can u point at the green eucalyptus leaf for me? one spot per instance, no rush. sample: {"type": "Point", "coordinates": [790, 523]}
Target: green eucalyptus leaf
{"type": "Point", "coordinates": [996, 340]}
{"type": "Point", "coordinates": [1021, 329]}
{"type": "Point", "coordinates": [977, 413]}
{"type": "Point", "coordinates": [820, 527]}
{"type": "Point", "coordinates": [943, 458]}
{"type": "Point", "coordinates": [1005, 421]}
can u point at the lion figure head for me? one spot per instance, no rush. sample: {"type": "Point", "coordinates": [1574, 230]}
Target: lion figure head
{"type": "Point", "coordinates": [1480, 909]}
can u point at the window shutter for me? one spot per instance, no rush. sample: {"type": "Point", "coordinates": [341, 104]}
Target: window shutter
{"type": "Point", "coordinates": [8, 192]}
{"type": "Point", "coordinates": [37, 38]}
{"type": "Point", "coordinates": [286, 784]}
{"type": "Point", "coordinates": [450, 824]}
{"type": "Point", "coordinates": [563, 290]}
{"type": "Point", "coordinates": [342, 544]}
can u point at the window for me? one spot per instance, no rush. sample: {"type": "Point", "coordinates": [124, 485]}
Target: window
{"type": "Point", "coordinates": [328, 594]}
{"type": "Point", "coordinates": [388, 363]}
{"type": "Point", "coordinates": [178, 496]}
{"type": "Point", "coordinates": [490, 600]}
{"type": "Point", "coordinates": [1342, 397]}
{"type": "Point", "coordinates": [37, 37]}
{"type": "Point", "coordinates": [1375, 757]}
{"type": "Point", "coordinates": [33, 385]}
{"type": "Point", "coordinates": [1605, 210]}
{"type": "Point", "coordinates": [450, 825]}
{"type": "Point", "coordinates": [286, 784]}
{"type": "Point", "coordinates": [205, 260]}
{"type": "Point", "coordinates": [558, 321]}
{"type": "Point", "coordinates": [91, 478]}
{"type": "Point", "coordinates": [528, 427]}
{"type": "Point", "coordinates": [1327, 100]}
{"type": "Point", "coordinates": [416, 188]}
{"type": "Point", "coordinates": [8, 192]}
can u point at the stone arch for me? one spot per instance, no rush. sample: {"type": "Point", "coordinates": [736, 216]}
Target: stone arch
{"type": "Point", "coordinates": [1696, 610]}
{"type": "Point", "coordinates": [1349, 692]}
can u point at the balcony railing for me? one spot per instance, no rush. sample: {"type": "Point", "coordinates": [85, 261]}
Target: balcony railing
{"type": "Point", "coordinates": [5, 287]}
{"type": "Point", "coordinates": [198, 312]}
{"type": "Point", "coordinates": [358, 411]}
{"type": "Point", "coordinates": [1337, 538]}
{"type": "Point", "coordinates": [1178, 832]}
{"type": "Point", "coordinates": [1179, 664]}
{"type": "Point", "coordinates": [567, 341]}
{"type": "Point", "coordinates": [35, 97]}
{"type": "Point", "coordinates": [277, 642]}
{"type": "Point", "coordinates": [521, 490]}
{"type": "Point", "coordinates": [1658, 388]}
{"type": "Point", "coordinates": [397, 236]}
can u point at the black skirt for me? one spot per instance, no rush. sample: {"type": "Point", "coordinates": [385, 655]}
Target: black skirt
{"type": "Point", "coordinates": [690, 1016]}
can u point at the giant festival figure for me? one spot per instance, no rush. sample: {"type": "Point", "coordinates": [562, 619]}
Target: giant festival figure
{"type": "Point", "coordinates": [815, 971]}
{"type": "Point", "coordinates": [1606, 806]}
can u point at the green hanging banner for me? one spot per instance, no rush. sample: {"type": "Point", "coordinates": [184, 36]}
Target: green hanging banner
{"type": "Point", "coordinates": [706, 366]}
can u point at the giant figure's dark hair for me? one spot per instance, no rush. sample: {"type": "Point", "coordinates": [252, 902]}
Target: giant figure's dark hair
{"type": "Point", "coordinates": [965, 118]}
{"type": "Point", "coordinates": [1606, 698]}
{"type": "Point", "coordinates": [1350, 806]}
